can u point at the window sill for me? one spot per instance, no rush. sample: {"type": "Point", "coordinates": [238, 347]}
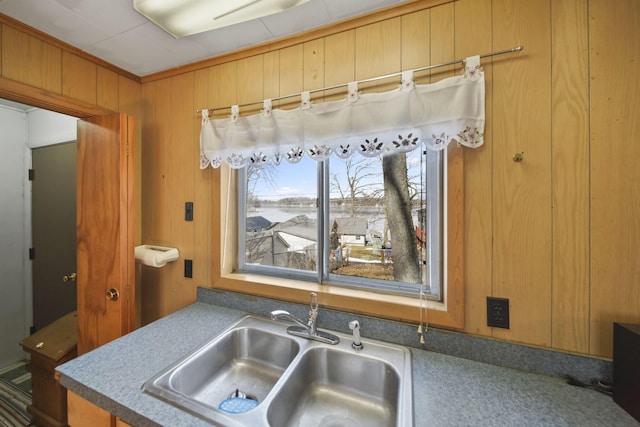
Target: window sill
{"type": "Point", "coordinates": [386, 306]}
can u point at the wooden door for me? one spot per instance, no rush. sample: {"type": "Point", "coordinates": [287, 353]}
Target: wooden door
{"type": "Point", "coordinates": [105, 233]}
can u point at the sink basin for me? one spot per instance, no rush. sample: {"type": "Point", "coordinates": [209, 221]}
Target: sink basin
{"type": "Point", "coordinates": [248, 360]}
{"type": "Point", "coordinates": [330, 387]}
{"type": "Point", "coordinates": [289, 380]}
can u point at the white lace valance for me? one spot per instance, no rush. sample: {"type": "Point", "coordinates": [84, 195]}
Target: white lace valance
{"type": "Point", "coordinates": [371, 124]}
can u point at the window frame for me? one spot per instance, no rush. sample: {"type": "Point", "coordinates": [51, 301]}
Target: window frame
{"type": "Point", "coordinates": [448, 313]}
{"type": "Point", "coordinates": [435, 224]}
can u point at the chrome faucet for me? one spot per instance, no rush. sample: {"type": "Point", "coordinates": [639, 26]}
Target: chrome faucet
{"type": "Point", "coordinates": [285, 315]}
{"type": "Point", "coordinates": [306, 330]}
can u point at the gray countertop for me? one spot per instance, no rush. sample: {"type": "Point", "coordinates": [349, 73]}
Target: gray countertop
{"type": "Point", "coordinates": [448, 391]}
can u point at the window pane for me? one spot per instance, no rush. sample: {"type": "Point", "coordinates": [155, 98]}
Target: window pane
{"type": "Point", "coordinates": [281, 216]}
{"type": "Point", "coordinates": [379, 230]}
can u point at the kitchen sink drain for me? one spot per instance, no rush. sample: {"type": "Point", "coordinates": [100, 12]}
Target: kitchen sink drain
{"type": "Point", "coordinates": [238, 402]}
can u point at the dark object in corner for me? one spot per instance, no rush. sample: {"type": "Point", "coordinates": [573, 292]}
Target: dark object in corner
{"type": "Point", "coordinates": [626, 367]}
{"type": "Point", "coordinates": [596, 385]}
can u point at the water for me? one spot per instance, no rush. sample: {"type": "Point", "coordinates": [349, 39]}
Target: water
{"type": "Point", "coordinates": [284, 213]}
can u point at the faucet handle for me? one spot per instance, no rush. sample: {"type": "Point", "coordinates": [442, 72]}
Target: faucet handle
{"type": "Point", "coordinates": [313, 312]}
{"type": "Point", "coordinates": [314, 301]}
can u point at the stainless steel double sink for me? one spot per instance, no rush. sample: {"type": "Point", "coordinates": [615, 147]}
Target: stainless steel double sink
{"type": "Point", "coordinates": [290, 381]}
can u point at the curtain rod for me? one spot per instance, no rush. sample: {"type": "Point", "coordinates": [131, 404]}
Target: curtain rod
{"type": "Point", "coordinates": [373, 79]}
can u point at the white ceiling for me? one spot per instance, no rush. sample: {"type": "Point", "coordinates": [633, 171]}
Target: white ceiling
{"type": "Point", "coordinates": [113, 31]}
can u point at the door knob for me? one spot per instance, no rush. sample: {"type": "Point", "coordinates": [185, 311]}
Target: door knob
{"type": "Point", "coordinates": [71, 277]}
{"type": "Point", "coordinates": [113, 294]}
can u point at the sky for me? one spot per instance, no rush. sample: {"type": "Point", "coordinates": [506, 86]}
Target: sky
{"type": "Point", "coordinates": [300, 179]}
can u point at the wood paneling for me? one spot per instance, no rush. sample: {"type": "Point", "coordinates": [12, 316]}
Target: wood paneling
{"type": "Point", "coordinates": [213, 89]}
{"type": "Point", "coordinates": [79, 78]}
{"type": "Point", "coordinates": [129, 94]}
{"type": "Point", "coordinates": [228, 86]}
{"type": "Point", "coordinates": [72, 81]}
{"type": "Point", "coordinates": [271, 75]}
{"type": "Point", "coordinates": [416, 40]}
{"type": "Point", "coordinates": [522, 191]}
{"type": "Point", "coordinates": [555, 233]}
{"type": "Point", "coordinates": [30, 60]}
{"type": "Point", "coordinates": [291, 75]}
{"type": "Point", "coordinates": [129, 101]}
{"type": "Point", "coordinates": [44, 72]}
{"type": "Point", "coordinates": [107, 89]}
{"type": "Point", "coordinates": [340, 65]}
{"type": "Point", "coordinates": [46, 38]}
{"type": "Point", "coordinates": [614, 43]}
{"type": "Point", "coordinates": [179, 174]}
{"type": "Point", "coordinates": [156, 293]}
{"type": "Point", "coordinates": [171, 179]}
{"type": "Point", "coordinates": [377, 53]}
{"type": "Point", "coordinates": [473, 36]}
{"type": "Point", "coordinates": [570, 176]}
{"type": "Point", "coordinates": [251, 85]}
{"type": "Point", "coordinates": [442, 40]}
{"type": "Point", "coordinates": [313, 68]}
{"type": "Point", "coordinates": [202, 226]}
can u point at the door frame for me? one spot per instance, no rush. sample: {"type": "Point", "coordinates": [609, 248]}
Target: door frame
{"type": "Point", "coordinates": [25, 94]}
{"type": "Point", "coordinates": [30, 95]}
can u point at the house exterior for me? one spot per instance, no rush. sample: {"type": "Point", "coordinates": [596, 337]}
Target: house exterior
{"type": "Point", "coordinates": [257, 223]}
{"type": "Point", "coordinates": [351, 231]}
{"type": "Point", "coordinates": [293, 242]}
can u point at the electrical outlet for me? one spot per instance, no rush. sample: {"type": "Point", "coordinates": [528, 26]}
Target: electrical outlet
{"type": "Point", "coordinates": [498, 312]}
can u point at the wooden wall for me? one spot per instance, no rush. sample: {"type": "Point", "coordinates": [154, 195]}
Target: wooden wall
{"type": "Point", "coordinates": [557, 233]}
{"type": "Point", "coordinates": [70, 80]}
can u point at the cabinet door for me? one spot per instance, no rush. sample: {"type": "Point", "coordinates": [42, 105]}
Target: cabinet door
{"type": "Point", "coordinates": [82, 413]}
{"type": "Point", "coordinates": [105, 233]}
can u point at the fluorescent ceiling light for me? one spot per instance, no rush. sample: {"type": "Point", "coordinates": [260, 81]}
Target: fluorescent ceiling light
{"type": "Point", "coordinates": [182, 18]}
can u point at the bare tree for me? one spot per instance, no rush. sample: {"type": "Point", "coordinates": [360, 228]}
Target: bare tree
{"type": "Point", "coordinates": [358, 174]}
{"type": "Point", "coordinates": [398, 209]}
{"type": "Point", "coordinates": [256, 174]}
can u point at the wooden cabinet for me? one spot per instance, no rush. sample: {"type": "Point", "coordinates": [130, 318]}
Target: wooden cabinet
{"type": "Point", "coordinates": [48, 348]}
{"type": "Point", "coordinates": [84, 413]}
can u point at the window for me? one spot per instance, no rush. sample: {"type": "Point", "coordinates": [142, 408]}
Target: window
{"type": "Point", "coordinates": [373, 223]}
{"type": "Point", "coordinates": [328, 249]}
